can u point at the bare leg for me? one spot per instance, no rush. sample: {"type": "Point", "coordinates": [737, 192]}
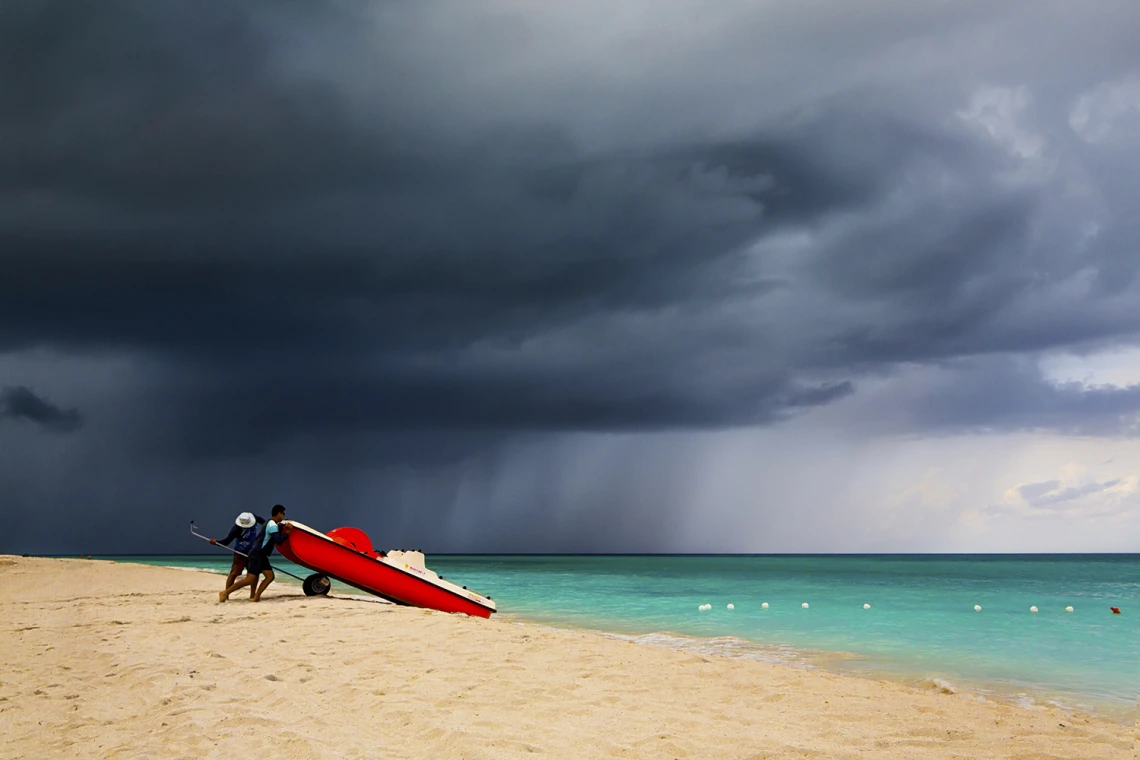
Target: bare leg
{"type": "Point", "coordinates": [264, 584]}
{"type": "Point", "coordinates": [235, 569]}
{"type": "Point", "coordinates": [245, 581]}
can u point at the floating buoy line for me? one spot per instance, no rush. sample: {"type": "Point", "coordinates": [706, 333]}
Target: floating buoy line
{"type": "Point", "coordinates": [977, 607]}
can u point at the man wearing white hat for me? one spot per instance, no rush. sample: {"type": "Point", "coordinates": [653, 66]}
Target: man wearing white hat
{"type": "Point", "coordinates": [246, 532]}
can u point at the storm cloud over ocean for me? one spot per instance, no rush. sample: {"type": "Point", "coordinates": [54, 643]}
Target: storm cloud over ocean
{"type": "Point", "coordinates": [496, 276]}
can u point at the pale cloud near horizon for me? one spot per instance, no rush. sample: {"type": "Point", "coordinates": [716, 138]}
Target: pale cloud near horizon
{"type": "Point", "coordinates": [1109, 113]}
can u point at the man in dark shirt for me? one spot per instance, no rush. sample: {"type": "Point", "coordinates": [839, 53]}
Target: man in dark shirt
{"type": "Point", "coordinates": [247, 535]}
{"type": "Point", "coordinates": [275, 533]}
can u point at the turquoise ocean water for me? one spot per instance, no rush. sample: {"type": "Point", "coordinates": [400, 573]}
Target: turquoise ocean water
{"type": "Point", "coordinates": [921, 627]}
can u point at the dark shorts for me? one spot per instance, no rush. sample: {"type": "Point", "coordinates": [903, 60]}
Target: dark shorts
{"type": "Point", "coordinates": [258, 563]}
{"type": "Point", "coordinates": [238, 563]}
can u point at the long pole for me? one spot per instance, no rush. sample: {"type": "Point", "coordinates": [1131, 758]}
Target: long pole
{"type": "Point", "coordinates": [235, 551]}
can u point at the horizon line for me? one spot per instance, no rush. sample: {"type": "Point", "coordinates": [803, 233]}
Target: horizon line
{"type": "Point", "coordinates": [636, 554]}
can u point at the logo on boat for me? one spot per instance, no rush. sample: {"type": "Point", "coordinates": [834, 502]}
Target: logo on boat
{"type": "Point", "coordinates": [414, 569]}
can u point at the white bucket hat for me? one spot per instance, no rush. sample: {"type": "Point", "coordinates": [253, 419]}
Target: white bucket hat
{"type": "Point", "coordinates": [245, 520]}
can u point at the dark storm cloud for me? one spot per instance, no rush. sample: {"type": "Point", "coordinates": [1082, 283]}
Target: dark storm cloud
{"type": "Point", "coordinates": [1003, 393]}
{"type": "Point", "coordinates": [248, 211]}
{"type": "Point", "coordinates": [21, 403]}
{"type": "Point", "coordinates": [386, 235]}
{"type": "Point", "coordinates": [230, 422]}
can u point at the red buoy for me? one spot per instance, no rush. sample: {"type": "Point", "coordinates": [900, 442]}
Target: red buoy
{"type": "Point", "coordinates": [1115, 610]}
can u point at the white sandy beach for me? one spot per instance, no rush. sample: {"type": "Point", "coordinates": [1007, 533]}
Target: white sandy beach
{"type": "Point", "coordinates": [109, 660]}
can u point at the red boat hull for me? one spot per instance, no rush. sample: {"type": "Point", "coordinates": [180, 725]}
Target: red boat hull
{"type": "Point", "coordinates": [396, 581]}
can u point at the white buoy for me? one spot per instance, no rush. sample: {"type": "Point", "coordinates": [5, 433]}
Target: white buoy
{"type": "Point", "coordinates": [764, 606]}
{"type": "Point", "coordinates": [866, 606]}
{"type": "Point", "coordinates": [1033, 609]}
{"type": "Point", "coordinates": [977, 608]}
{"type": "Point", "coordinates": [732, 606]}
{"type": "Point", "coordinates": [704, 607]}
{"type": "Point", "coordinates": [804, 605]}
{"type": "Point", "coordinates": [1068, 609]}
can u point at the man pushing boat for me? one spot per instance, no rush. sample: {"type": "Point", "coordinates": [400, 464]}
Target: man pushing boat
{"type": "Point", "coordinates": [247, 535]}
{"type": "Point", "coordinates": [274, 535]}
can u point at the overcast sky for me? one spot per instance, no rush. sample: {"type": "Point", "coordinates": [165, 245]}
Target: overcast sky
{"type": "Point", "coordinates": [496, 276]}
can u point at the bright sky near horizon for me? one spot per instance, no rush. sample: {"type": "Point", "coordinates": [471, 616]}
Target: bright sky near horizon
{"type": "Point", "coordinates": [497, 276]}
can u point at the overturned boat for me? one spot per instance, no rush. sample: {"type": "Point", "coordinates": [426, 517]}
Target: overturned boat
{"type": "Point", "coordinates": [346, 555]}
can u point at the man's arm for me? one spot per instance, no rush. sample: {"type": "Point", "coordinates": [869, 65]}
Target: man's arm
{"type": "Point", "coordinates": [235, 531]}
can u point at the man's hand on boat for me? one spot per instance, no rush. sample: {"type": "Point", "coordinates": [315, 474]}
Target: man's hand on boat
{"type": "Point", "coordinates": [285, 523]}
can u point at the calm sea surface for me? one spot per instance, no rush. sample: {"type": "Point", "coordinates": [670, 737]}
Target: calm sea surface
{"type": "Point", "coordinates": [921, 627]}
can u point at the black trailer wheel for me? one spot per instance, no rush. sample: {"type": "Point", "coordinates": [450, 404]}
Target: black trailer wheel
{"type": "Point", "coordinates": [316, 584]}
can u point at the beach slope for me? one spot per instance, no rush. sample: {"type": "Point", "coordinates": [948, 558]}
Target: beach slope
{"type": "Point", "coordinates": [113, 660]}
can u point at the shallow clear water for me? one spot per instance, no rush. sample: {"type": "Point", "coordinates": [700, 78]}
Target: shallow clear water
{"type": "Point", "coordinates": [921, 625]}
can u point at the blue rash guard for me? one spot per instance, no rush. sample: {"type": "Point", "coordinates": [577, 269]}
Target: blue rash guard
{"type": "Point", "coordinates": [259, 557]}
{"type": "Point", "coordinates": [272, 531]}
{"type": "Point", "coordinates": [247, 538]}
